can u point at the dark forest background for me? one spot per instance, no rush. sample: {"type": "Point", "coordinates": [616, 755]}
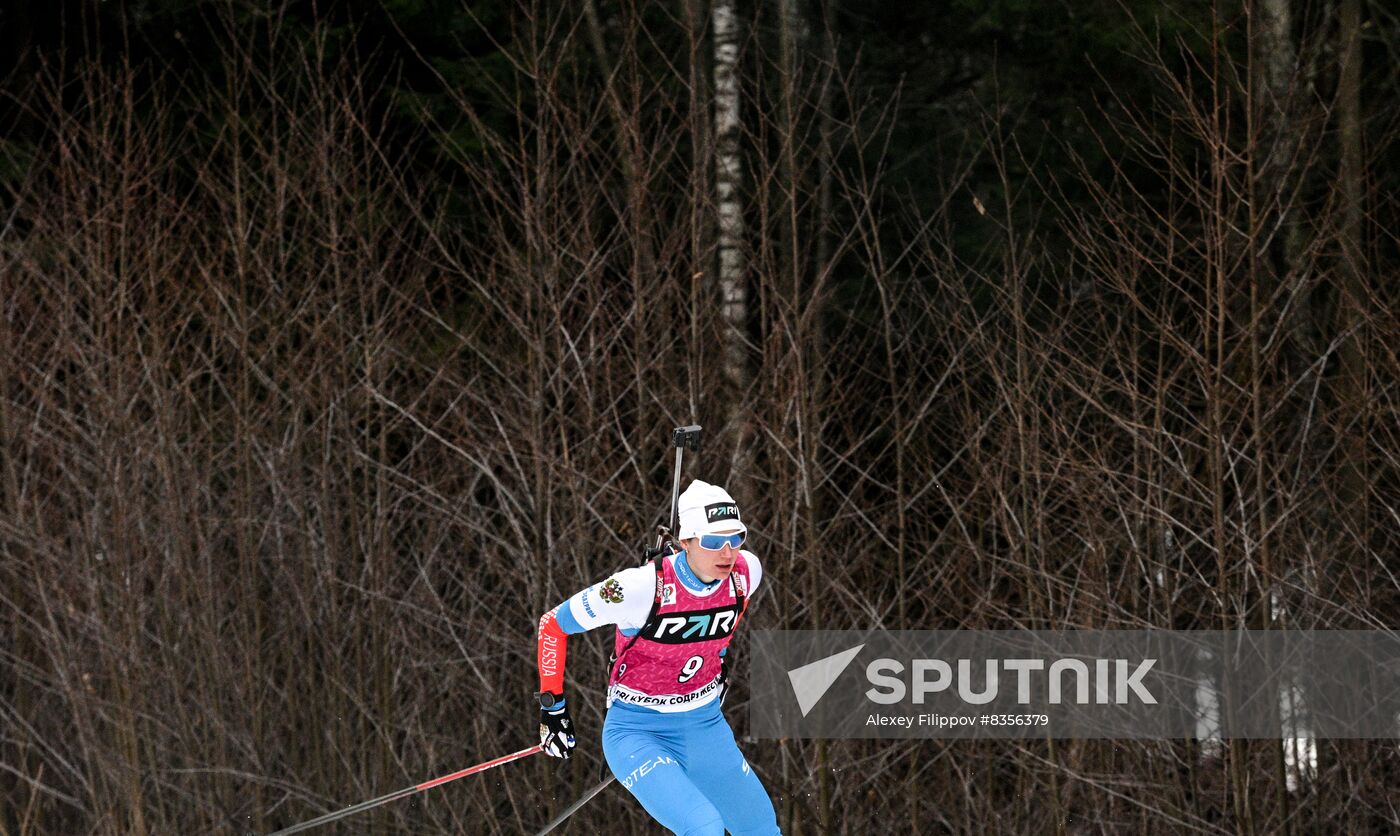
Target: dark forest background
{"type": "Point", "coordinates": [338, 341]}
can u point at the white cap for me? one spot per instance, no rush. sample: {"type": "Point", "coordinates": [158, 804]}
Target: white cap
{"type": "Point", "coordinates": [707, 509]}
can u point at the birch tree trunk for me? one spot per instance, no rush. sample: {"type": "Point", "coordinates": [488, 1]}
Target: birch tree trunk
{"type": "Point", "coordinates": [728, 179]}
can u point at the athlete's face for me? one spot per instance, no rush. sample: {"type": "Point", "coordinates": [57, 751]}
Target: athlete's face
{"type": "Point", "coordinates": [709, 564]}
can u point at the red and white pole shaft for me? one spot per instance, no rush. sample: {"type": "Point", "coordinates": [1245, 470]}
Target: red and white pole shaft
{"type": "Point", "coordinates": [407, 791]}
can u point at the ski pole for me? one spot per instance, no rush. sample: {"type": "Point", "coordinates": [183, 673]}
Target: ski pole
{"type": "Point", "coordinates": [573, 808]}
{"type": "Point", "coordinates": [407, 791]}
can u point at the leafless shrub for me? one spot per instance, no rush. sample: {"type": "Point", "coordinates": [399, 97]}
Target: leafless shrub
{"type": "Point", "coordinates": [296, 451]}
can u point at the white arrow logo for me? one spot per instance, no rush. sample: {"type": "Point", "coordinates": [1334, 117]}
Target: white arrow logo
{"type": "Point", "coordinates": [812, 680]}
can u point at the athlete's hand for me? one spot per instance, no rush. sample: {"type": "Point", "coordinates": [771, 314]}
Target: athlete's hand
{"type": "Point", "coordinates": [556, 730]}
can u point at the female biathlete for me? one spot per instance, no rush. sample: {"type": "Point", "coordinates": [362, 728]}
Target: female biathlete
{"type": "Point", "coordinates": [664, 736]}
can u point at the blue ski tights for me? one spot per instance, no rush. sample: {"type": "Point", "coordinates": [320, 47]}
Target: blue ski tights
{"type": "Point", "coordinates": [687, 771]}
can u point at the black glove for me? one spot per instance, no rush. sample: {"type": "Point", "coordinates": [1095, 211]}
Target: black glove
{"type": "Point", "coordinates": [723, 675]}
{"type": "Point", "coordinates": [556, 730]}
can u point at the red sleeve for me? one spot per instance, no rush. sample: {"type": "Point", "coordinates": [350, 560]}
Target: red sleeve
{"type": "Point", "coordinates": [550, 647]}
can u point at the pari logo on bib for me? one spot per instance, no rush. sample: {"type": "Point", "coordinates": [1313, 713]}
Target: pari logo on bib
{"type": "Point", "coordinates": [684, 628]}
